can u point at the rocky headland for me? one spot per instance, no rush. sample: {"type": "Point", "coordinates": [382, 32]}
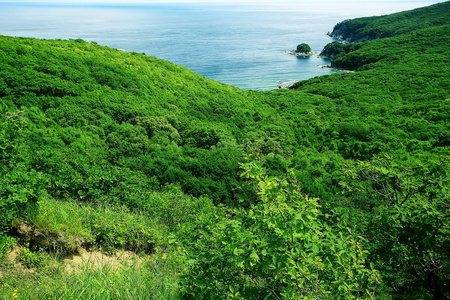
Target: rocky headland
{"type": "Point", "coordinates": [347, 34]}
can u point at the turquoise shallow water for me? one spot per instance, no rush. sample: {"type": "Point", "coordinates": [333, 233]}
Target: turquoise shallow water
{"type": "Point", "coordinates": [238, 45]}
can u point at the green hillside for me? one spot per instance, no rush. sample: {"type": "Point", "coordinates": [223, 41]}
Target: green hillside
{"type": "Point", "coordinates": [335, 189]}
{"type": "Point", "coordinates": [370, 28]}
{"type": "Point", "coordinates": [128, 110]}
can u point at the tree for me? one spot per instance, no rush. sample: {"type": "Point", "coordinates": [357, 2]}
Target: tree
{"type": "Point", "coordinates": [409, 226]}
{"type": "Point", "coordinates": [281, 248]}
{"type": "Point", "coordinates": [303, 48]}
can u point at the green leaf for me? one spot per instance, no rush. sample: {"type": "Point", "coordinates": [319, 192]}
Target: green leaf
{"type": "Point", "coordinates": [315, 249]}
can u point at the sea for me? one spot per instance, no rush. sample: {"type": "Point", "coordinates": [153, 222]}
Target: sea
{"type": "Point", "coordinates": [243, 45]}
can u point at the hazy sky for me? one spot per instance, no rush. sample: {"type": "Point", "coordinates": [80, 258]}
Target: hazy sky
{"type": "Point", "coordinates": [297, 2]}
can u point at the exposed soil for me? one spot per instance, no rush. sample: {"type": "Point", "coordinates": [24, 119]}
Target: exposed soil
{"type": "Point", "coordinates": [11, 258]}
{"type": "Point", "coordinates": [56, 243]}
{"type": "Point", "coordinates": [76, 259]}
{"type": "Point", "coordinates": [25, 231]}
{"type": "Point", "coordinates": [97, 259]}
{"type": "Point", "coordinates": [83, 259]}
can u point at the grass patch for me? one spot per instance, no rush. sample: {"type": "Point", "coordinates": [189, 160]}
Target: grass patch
{"type": "Point", "coordinates": [147, 277]}
{"type": "Point", "coordinates": [64, 226]}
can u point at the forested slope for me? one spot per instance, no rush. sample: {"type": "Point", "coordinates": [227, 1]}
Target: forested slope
{"type": "Point", "coordinates": [125, 105]}
{"type": "Point", "coordinates": [370, 28]}
{"type": "Point", "coordinates": [337, 188]}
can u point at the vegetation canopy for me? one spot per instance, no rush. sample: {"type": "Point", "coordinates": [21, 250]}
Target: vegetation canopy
{"type": "Point", "coordinates": [303, 48]}
{"type": "Point", "coordinates": [337, 188]}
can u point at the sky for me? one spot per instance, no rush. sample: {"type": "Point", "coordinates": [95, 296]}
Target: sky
{"type": "Point", "coordinates": [297, 2]}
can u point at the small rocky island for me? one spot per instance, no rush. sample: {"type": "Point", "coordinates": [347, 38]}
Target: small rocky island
{"type": "Point", "coordinates": [303, 50]}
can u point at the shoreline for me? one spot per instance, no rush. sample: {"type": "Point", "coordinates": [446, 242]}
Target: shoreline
{"type": "Point", "coordinates": [291, 83]}
{"type": "Point", "coordinates": [332, 68]}
{"type": "Point", "coordinates": [300, 54]}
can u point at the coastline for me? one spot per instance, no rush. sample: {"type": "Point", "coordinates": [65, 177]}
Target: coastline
{"type": "Point", "coordinates": [285, 86]}
{"type": "Point", "coordinates": [332, 68]}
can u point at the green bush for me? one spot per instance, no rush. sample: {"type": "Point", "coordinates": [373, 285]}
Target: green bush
{"type": "Point", "coordinates": [20, 184]}
{"type": "Point", "coordinates": [281, 248]}
{"type": "Point", "coordinates": [117, 228]}
{"type": "Point", "coordinates": [7, 243]}
{"type": "Point", "coordinates": [303, 48]}
{"type": "Point", "coordinates": [30, 258]}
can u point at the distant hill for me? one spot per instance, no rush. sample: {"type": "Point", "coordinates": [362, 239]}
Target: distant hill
{"type": "Point", "coordinates": [370, 28]}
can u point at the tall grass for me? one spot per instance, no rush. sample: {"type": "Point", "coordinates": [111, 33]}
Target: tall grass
{"type": "Point", "coordinates": [68, 225]}
{"type": "Point", "coordinates": [65, 227]}
{"type": "Point", "coordinates": [151, 277]}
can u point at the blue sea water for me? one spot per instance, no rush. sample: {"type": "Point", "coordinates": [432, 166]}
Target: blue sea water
{"type": "Point", "coordinates": [240, 45]}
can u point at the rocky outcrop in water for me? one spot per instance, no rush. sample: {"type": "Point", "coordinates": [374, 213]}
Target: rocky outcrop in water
{"type": "Point", "coordinates": [299, 54]}
{"type": "Point", "coordinates": [303, 50]}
